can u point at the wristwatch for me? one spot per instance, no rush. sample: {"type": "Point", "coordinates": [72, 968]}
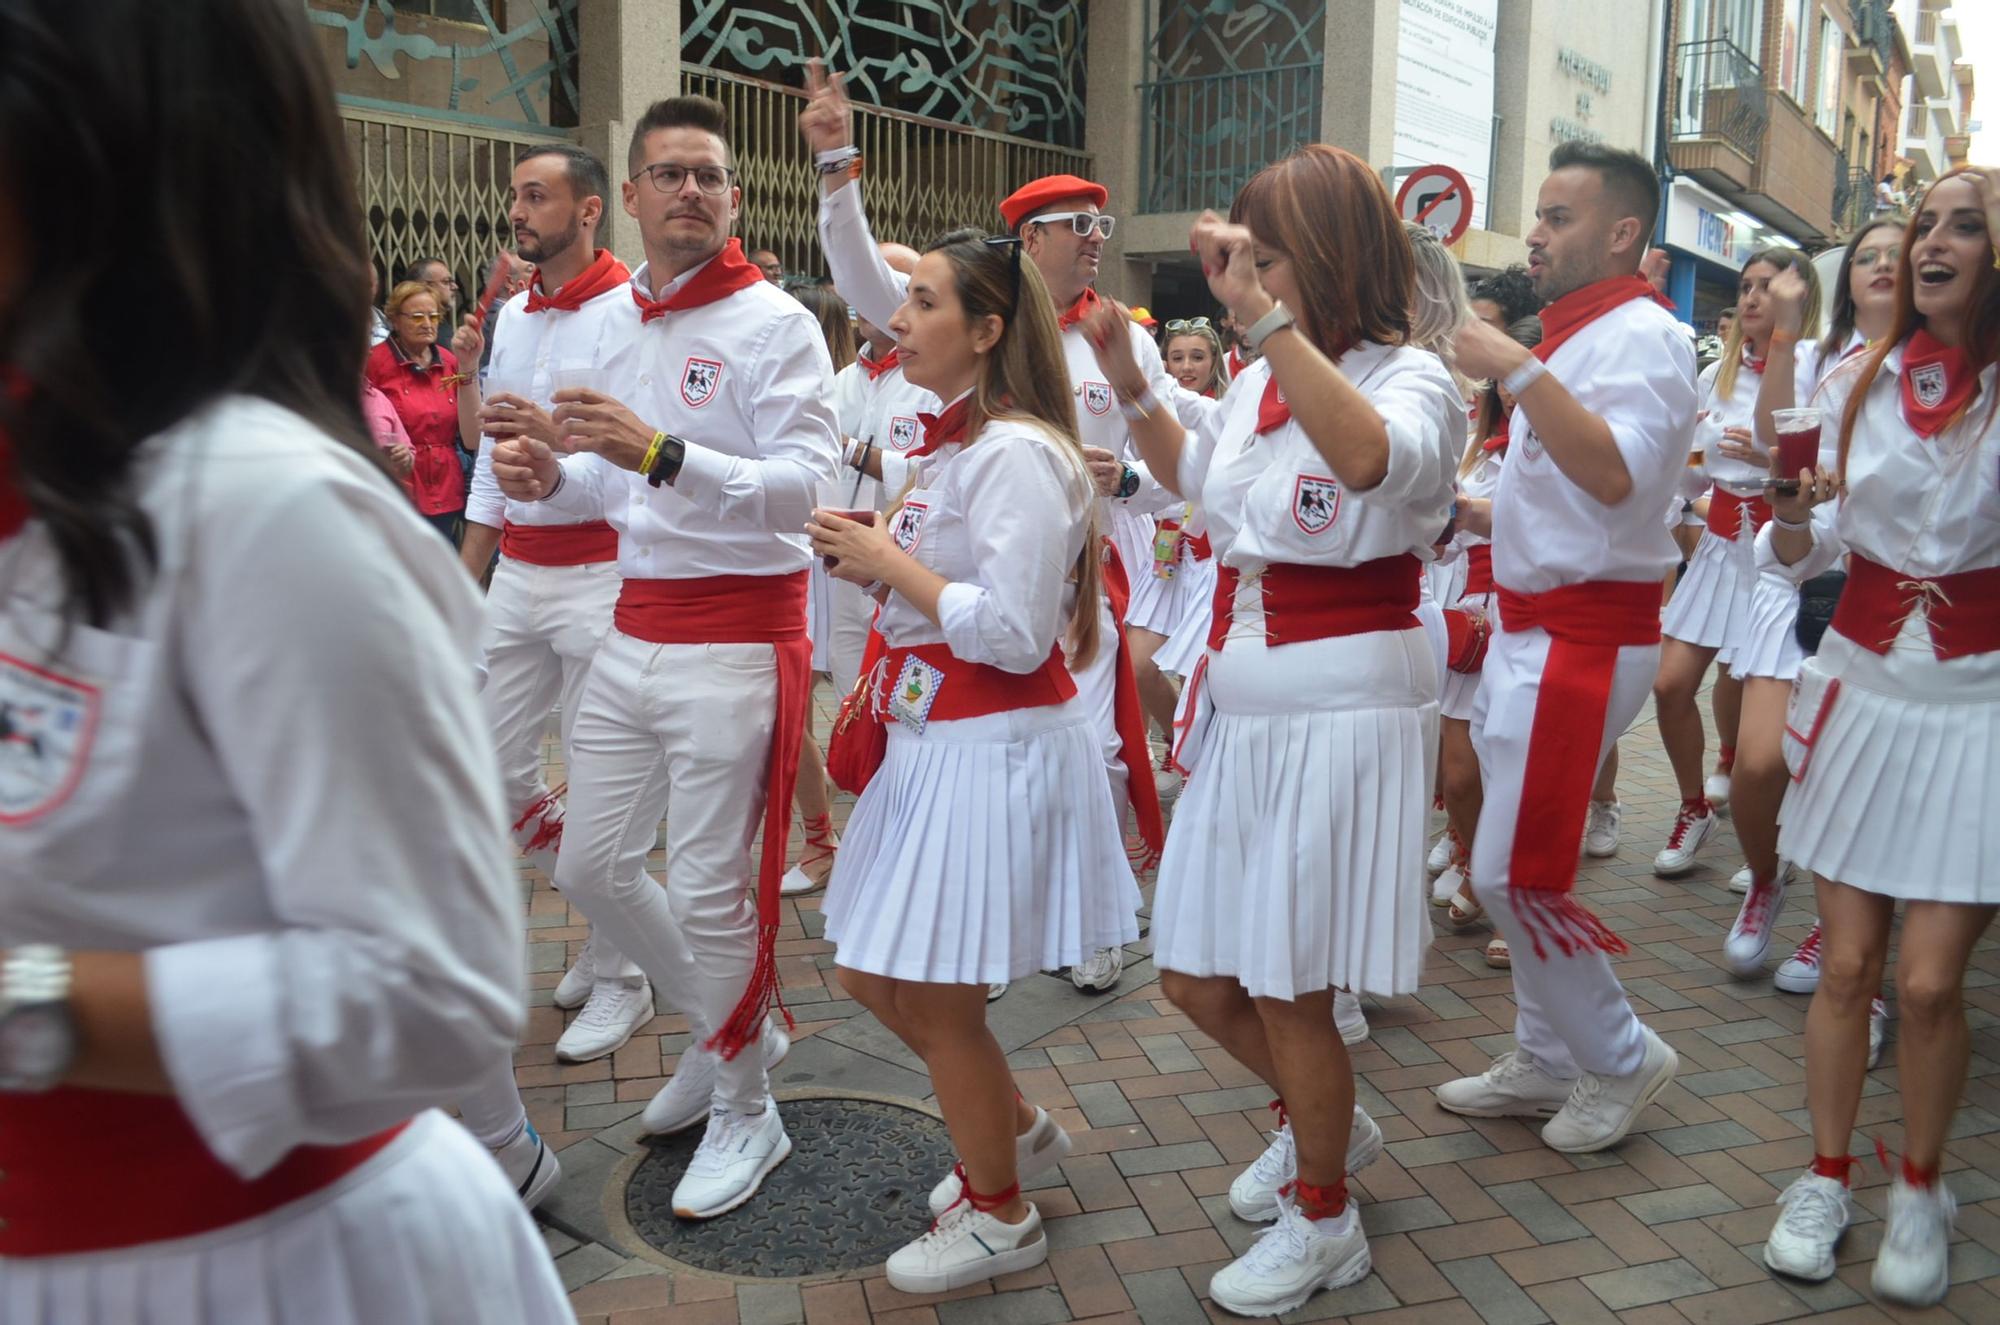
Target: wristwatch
{"type": "Point", "coordinates": [1266, 326]}
{"type": "Point", "coordinates": [668, 465]}
{"type": "Point", "coordinates": [1128, 483]}
{"type": "Point", "coordinates": [37, 1031]}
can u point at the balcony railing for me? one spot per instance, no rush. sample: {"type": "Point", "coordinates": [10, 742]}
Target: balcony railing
{"type": "Point", "coordinates": [1201, 139]}
{"type": "Point", "coordinates": [1927, 28]}
{"type": "Point", "coordinates": [1874, 27]}
{"type": "Point", "coordinates": [1719, 94]}
{"type": "Point", "coordinates": [1853, 197]}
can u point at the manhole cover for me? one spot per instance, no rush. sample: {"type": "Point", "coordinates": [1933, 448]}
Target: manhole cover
{"type": "Point", "coordinates": [853, 1191]}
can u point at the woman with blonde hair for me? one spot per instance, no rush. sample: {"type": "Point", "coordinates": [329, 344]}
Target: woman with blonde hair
{"type": "Point", "coordinates": [968, 857]}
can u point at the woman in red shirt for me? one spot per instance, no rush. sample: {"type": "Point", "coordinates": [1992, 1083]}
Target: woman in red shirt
{"type": "Point", "coordinates": [439, 406]}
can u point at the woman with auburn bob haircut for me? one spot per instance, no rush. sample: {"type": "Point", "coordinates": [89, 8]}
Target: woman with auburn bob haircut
{"type": "Point", "coordinates": [1295, 866]}
{"type": "Point", "coordinates": [1893, 738]}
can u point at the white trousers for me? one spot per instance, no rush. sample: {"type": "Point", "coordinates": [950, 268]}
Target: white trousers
{"type": "Point", "coordinates": [681, 731]}
{"type": "Point", "coordinates": [1571, 1014]}
{"type": "Point", "coordinates": [849, 613]}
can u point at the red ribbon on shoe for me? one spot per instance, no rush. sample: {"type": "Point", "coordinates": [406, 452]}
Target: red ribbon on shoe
{"type": "Point", "coordinates": [605, 272]}
{"type": "Point", "coordinates": [726, 273]}
{"type": "Point", "coordinates": [1130, 719]}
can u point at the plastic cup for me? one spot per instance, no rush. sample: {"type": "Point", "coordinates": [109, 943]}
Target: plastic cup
{"type": "Point", "coordinates": [841, 497]}
{"type": "Point", "coordinates": [1797, 432]}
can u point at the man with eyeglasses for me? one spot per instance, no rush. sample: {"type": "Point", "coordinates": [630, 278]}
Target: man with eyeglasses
{"type": "Point", "coordinates": [1061, 226]}
{"type": "Point", "coordinates": [714, 423]}
{"type": "Point", "coordinates": [436, 273]}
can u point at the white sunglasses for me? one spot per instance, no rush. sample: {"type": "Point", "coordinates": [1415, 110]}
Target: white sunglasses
{"type": "Point", "coordinates": [1080, 222]}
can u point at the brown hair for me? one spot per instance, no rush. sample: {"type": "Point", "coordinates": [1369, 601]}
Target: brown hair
{"type": "Point", "coordinates": [1778, 258]}
{"type": "Point", "coordinates": [1979, 335]}
{"type": "Point", "coordinates": [834, 323]}
{"type": "Point", "coordinates": [1840, 319]}
{"type": "Point", "coordinates": [688, 112]}
{"type": "Point", "coordinates": [1326, 210]}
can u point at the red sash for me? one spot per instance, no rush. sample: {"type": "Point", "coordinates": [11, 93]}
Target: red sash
{"type": "Point", "coordinates": [559, 544]}
{"type": "Point", "coordinates": [1964, 608]}
{"type": "Point", "coordinates": [1319, 602]}
{"type": "Point", "coordinates": [97, 1170]}
{"type": "Point", "coordinates": [1587, 624]}
{"type": "Point", "coordinates": [1129, 718]}
{"type": "Point", "coordinates": [743, 609]}
{"type": "Point", "coordinates": [974, 690]}
{"type": "Point", "coordinates": [1727, 514]}
{"type": "Point", "coordinates": [1478, 569]}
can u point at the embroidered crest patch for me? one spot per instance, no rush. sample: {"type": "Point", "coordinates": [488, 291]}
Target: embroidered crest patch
{"type": "Point", "coordinates": [909, 530]}
{"type": "Point", "coordinates": [1097, 397]}
{"type": "Point", "coordinates": [46, 724]}
{"type": "Point", "coordinates": [902, 433]}
{"type": "Point", "coordinates": [1315, 503]}
{"type": "Point", "coordinates": [1928, 382]}
{"type": "Point", "coordinates": [699, 380]}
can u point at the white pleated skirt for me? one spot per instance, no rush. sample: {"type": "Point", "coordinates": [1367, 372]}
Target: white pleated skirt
{"type": "Point", "coordinates": [1188, 640]}
{"type": "Point", "coordinates": [426, 1232]}
{"type": "Point", "coordinates": [1711, 605]}
{"type": "Point", "coordinates": [1296, 858]}
{"type": "Point", "coordinates": [1161, 605]}
{"type": "Point", "coordinates": [983, 850]}
{"type": "Point", "coordinates": [1770, 645]}
{"type": "Point", "coordinates": [1901, 792]}
{"type": "Point", "coordinates": [1461, 688]}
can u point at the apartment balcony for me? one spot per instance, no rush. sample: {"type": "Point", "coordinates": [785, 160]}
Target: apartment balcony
{"type": "Point", "coordinates": [1929, 64]}
{"type": "Point", "coordinates": [1944, 110]}
{"type": "Point", "coordinates": [1853, 196]}
{"type": "Point", "coordinates": [1872, 38]}
{"type": "Point", "coordinates": [1923, 144]}
{"type": "Point", "coordinates": [1720, 112]}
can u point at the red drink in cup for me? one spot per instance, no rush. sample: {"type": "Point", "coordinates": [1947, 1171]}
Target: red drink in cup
{"type": "Point", "coordinates": [840, 497]}
{"type": "Point", "coordinates": [1798, 444]}
{"type": "Point", "coordinates": [859, 517]}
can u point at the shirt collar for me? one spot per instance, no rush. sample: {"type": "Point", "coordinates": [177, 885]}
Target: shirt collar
{"type": "Point", "coordinates": [671, 288]}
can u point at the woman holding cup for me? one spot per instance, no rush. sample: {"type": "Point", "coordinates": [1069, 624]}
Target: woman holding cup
{"type": "Point", "coordinates": [1893, 737]}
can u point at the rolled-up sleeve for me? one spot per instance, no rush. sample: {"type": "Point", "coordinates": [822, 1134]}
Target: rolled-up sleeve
{"type": "Point", "coordinates": [485, 503]}
{"type": "Point", "coordinates": [864, 279]}
{"type": "Point", "coordinates": [1028, 500]}
{"type": "Point", "coordinates": [1425, 424]}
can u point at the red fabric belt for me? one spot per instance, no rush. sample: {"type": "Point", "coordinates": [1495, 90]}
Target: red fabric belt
{"type": "Point", "coordinates": [1587, 625]}
{"type": "Point", "coordinates": [1319, 602]}
{"type": "Point", "coordinates": [1478, 569]}
{"type": "Point", "coordinates": [1199, 547]}
{"type": "Point", "coordinates": [1964, 608]}
{"type": "Point", "coordinates": [974, 690]}
{"type": "Point", "coordinates": [95, 1170]}
{"type": "Point", "coordinates": [559, 544]}
{"type": "Point", "coordinates": [743, 609]}
{"type": "Point", "coordinates": [1129, 717]}
{"type": "Point", "coordinates": [1727, 511]}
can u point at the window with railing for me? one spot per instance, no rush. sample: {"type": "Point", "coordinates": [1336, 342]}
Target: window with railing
{"type": "Point", "coordinates": [1719, 95]}
{"type": "Point", "coordinates": [1927, 27]}
{"type": "Point", "coordinates": [1233, 87]}
{"type": "Point", "coordinates": [1917, 121]}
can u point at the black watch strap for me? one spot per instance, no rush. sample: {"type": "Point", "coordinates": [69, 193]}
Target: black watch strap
{"type": "Point", "coordinates": [665, 469]}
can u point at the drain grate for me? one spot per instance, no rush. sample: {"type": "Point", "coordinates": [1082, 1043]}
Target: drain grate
{"type": "Point", "coordinates": [853, 1191]}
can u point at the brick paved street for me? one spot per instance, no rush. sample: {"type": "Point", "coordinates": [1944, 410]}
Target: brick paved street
{"type": "Point", "coordinates": [1469, 1220]}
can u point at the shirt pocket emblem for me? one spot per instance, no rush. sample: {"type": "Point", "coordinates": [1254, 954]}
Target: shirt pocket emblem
{"type": "Point", "coordinates": [47, 724]}
{"type": "Point", "coordinates": [909, 529]}
{"type": "Point", "coordinates": [699, 380]}
{"type": "Point", "coordinates": [1097, 397]}
{"type": "Point", "coordinates": [1315, 503]}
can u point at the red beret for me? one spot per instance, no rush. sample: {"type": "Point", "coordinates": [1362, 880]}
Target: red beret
{"type": "Point", "coordinates": [1031, 197]}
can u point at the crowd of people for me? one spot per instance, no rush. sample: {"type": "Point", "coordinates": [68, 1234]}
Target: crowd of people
{"type": "Point", "coordinates": [1370, 540]}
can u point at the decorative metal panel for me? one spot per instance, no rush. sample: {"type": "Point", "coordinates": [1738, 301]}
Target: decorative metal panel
{"type": "Point", "coordinates": [1719, 94]}
{"type": "Point", "coordinates": [524, 73]}
{"type": "Point", "coordinates": [1009, 66]}
{"type": "Point", "coordinates": [1201, 38]}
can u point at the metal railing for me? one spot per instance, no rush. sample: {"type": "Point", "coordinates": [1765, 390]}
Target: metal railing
{"type": "Point", "coordinates": [922, 176]}
{"type": "Point", "coordinates": [1201, 139]}
{"type": "Point", "coordinates": [1874, 25]}
{"type": "Point", "coordinates": [1853, 197]}
{"type": "Point", "coordinates": [1927, 28]}
{"type": "Point", "coordinates": [1719, 94]}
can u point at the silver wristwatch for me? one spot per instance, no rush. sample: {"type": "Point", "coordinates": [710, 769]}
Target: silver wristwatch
{"type": "Point", "coordinates": [37, 1031]}
{"type": "Point", "coordinates": [1264, 327]}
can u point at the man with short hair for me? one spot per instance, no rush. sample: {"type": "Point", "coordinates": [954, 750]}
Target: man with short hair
{"type": "Point", "coordinates": [705, 444]}
{"type": "Point", "coordinates": [1601, 434]}
{"type": "Point", "coordinates": [436, 273]}
{"type": "Point", "coordinates": [770, 264]}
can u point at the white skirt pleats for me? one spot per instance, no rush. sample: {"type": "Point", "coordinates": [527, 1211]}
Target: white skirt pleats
{"type": "Point", "coordinates": [1901, 793]}
{"type": "Point", "coordinates": [1711, 605]}
{"type": "Point", "coordinates": [1160, 605]}
{"type": "Point", "coordinates": [983, 850]}
{"type": "Point", "coordinates": [1770, 644]}
{"type": "Point", "coordinates": [425, 1232]}
{"type": "Point", "coordinates": [1188, 640]}
{"type": "Point", "coordinates": [1296, 858]}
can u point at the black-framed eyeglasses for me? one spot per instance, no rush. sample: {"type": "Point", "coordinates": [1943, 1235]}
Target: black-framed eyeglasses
{"type": "Point", "coordinates": [1180, 324]}
{"type": "Point", "coordinates": [1080, 223]}
{"type": "Point", "coordinates": [1013, 244]}
{"type": "Point", "coordinates": [670, 177]}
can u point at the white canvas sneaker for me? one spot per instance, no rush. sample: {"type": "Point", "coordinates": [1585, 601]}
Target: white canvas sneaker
{"type": "Point", "coordinates": [530, 1165]}
{"type": "Point", "coordinates": [968, 1246]}
{"type": "Point", "coordinates": [1036, 1151]}
{"type": "Point", "coordinates": [1293, 1259]}
{"type": "Point", "coordinates": [1739, 882]}
{"type": "Point", "coordinates": [1692, 827]}
{"type": "Point", "coordinates": [1512, 1088]}
{"type": "Point", "coordinates": [1912, 1266]}
{"type": "Point", "coordinates": [1348, 1018]}
{"type": "Point", "coordinates": [1749, 940]}
{"type": "Point", "coordinates": [1600, 830]}
{"type": "Point", "coordinates": [1799, 973]}
{"type": "Point", "coordinates": [1601, 1110]}
{"type": "Point", "coordinates": [1716, 788]}
{"type": "Point", "coordinates": [1099, 971]}
{"type": "Point", "coordinates": [1255, 1194]}
{"type": "Point", "coordinates": [1813, 1214]}
{"type": "Point", "coordinates": [684, 1100]}
{"type": "Point", "coordinates": [616, 1010]}
{"type": "Point", "coordinates": [736, 1153]}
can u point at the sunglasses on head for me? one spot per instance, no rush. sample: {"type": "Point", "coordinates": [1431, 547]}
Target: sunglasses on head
{"type": "Point", "coordinates": [1081, 223]}
{"type": "Point", "coordinates": [1012, 243]}
{"type": "Point", "coordinates": [1180, 324]}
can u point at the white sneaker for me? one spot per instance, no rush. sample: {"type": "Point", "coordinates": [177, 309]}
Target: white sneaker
{"type": "Point", "coordinates": [615, 1011]}
{"type": "Point", "coordinates": [1799, 973]}
{"type": "Point", "coordinates": [1348, 1018]}
{"type": "Point", "coordinates": [1446, 885]}
{"type": "Point", "coordinates": [968, 1246]}
{"type": "Point", "coordinates": [1036, 1151]}
{"type": "Point", "coordinates": [684, 1100]}
{"type": "Point", "coordinates": [578, 980]}
{"type": "Point", "coordinates": [1292, 1260]}
{"type": "Point", "coordinates": [1739, 882]}
{"type": "Point", "coordinates": [1600, 830]}
{"type": "Point", "coordinates": [1911, 1266]}
{"type": "Point", "coordinates": [1749, 940]}
{"type": "Point", "coordinates": [1692, 827]}
{"type": "Point", "coordinates": [530, 1165]}
{"type": "Point", "coordinates": [1099, 971]}
{"type": "Point", "coordinates": [1716, 789]}
{"type": "Point", "coordinates": [1442, 851]}
{"type": "Point", "coordinates": [735, 1154]}
{"type": "Point", "coordinates": [1813, 1215]}
{"type": "Point", "coordinates": [1601, 1110]}
{"type": "Point", "coordinates": [1512, 1088]}
{"type": "Point", "coordinates": [994, 991]}
{"type": "Point", "coordinates": [1255, 1193]}
{"type": "Point", "coordinates": [1878, 1030]}
{"type": "Point", "coordinates": [796, 882]}
{"type": "Point", "coordinates": [1168, 783]}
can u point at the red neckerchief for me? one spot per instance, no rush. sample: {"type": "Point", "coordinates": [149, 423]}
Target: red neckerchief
{"type": "Point", "coordinates": [876, 367]}
{"type": "Point", "coordinates": [943, 429]}
{"type": "Point", "coordinates": [1499, 437]}
{"type": "Point", "coordinates": [1271, 407]}
{"type": "Point", "coordinates": [14, 509]}
{"type": "Point", "coordinates": [605, 272]}
{"type": "Point", "coordinates": [1086, 304]}
{"type": "Point", "coordinates": [1579, 308]}
{"type": "Point", "coordinates": [1754, 365]}
{"type": "Point", "coordinates": [1941, 375]}
{"type": "Point", "coordinates": [726, 273]}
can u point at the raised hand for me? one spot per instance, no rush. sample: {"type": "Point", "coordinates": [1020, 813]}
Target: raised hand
{"type": "Point", "coordinates": [1487, 352]}
{"type": "Point", "coordinates": [1105, 329]}
{"type": "Point", "coordinates": [1788, 301]}
{"type": "Point", "coordinates": [1228, 257]}
{"type": "Point", "coordinates": [828, 119]}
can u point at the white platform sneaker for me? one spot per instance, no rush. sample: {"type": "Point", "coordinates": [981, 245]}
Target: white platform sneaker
{"type": "Point", "coordinates": [1036, 1151]}
{"type": "Point", "coordinates": [736, 1154]}
{"type": "Point", "coordinates": [1255, 1195]}
{"type": "Point", "coordinates": [968, 1246]}
{"type": "Point", "coordinates": [1294, 1258]}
